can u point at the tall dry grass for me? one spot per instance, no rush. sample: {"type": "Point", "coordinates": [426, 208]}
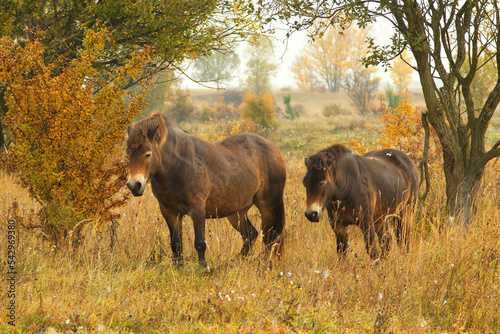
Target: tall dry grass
{"type": "Point", "coordinates": [448, 281]}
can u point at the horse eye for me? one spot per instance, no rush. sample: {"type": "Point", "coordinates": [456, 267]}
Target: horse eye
{"type": "Point", "coordinates": [148, 155]}
{"type": "Point", "coordinates": [322, 183]}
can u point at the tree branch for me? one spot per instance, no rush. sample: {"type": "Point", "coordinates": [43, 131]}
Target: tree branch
{"type": "Point", "coordinates": [493, 153]}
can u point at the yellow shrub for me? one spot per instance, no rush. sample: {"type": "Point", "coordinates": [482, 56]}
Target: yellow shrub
{"type": "Point", "coordinates": [67, 123]}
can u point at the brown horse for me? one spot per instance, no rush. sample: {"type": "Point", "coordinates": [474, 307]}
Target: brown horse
{"type": "Point", "coordinates": [190, 176]}
{"type": "Point", "coordinates": [363, 190]}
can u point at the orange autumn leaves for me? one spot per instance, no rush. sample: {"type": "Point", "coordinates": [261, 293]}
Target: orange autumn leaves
{"type": "Point", "coordinates": [66, 122]}
{"type": "Point", "coordinates": [402, 129]}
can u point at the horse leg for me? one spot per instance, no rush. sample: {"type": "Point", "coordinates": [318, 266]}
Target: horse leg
{"type": "Point", "coordinates": [198, 217]}
{"type": "Point", "coordinates": [402, 233]}
{"type": "Point", "coordinates": [339, 230]}
{"type": "Point", "coordinates": [248, 232]}
{"type": "Point", "coordinates": [175, 226]}
{"type": "Point", "coordinates": [342, 241]}
{"type": "Point", "coordinates": [384, 236]}
{"type": "Point", "coordinates": [370, 236]}
{"type": "Point", "coordinates": [272, 226]}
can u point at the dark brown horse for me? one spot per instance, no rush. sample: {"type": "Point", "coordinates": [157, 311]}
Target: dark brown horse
{"type": "Point", "coordinates": [367, 191]}
{"type": "Point", "coordinates": [190, 176]}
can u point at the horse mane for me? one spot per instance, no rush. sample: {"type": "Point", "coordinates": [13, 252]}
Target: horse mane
{"type": "Point", "coordinates": [326, 157]}
{"type": "Point", "coordinates": [154, 125]}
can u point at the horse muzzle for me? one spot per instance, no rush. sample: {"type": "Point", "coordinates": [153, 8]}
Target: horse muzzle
{"type": "Point", "coordinates": [137, 186]}
{"type": "Point", "coordinates": [313, 216]}
{"type": "Point", "coordinates": [313, 213]}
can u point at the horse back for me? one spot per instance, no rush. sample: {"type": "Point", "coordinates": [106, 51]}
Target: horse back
{"type": "Point", "coordinates": [238, 168]}
{"type": "Point", "coordinates": [255, 150]}
{"type": "Point", "coordinates": [394, 173]}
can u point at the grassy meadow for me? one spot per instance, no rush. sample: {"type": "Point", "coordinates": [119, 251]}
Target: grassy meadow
{"type": "Point", "coordinates": [448, 281]}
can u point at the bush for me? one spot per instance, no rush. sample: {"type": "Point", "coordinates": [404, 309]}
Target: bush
{"type": "Point", "coordinates": [207, 113]}
{"type": "Point", "coordinates": [393, 98]}
{"type": "Point", "coordinates": [300, 108]}
{"type": "Point", "coordinates": [67, 124]}
{"type": "Point", "coordinates": [290, 112]}
{"type": "Point", "coordinates": [260, 109]}
{"type": "Point", "coordinates": [218, 110]}
{"type": "Point", "coordinates": [333, 110]}
{"type": "Point", "coordinates": [182, 108]}
{"type": "Point", "coordinates": [233, 97]}
{"type": "Point", "coordinates": [403, 130]}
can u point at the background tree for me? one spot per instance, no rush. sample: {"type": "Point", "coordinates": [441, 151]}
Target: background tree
{"type": "Point", "coordinates": [401, 71]}
{"type": "Point", "coordinates": [361, 82]}
{"type": "Point", "coordinates": [362, 86]}
{"type": "Point", "coordinates": [448, 40]}
{"type": "Point", "coordinates": [332, 61]}
{"type": "Point", "coordinates": [305, 73]}
{"type": "Point", "coordinates": [327, 60]}
{"type": "Point", "coordinates": [218, 67]}
{"type": "Point", "coordinates": [181, 108]}
{"type": "Point", "coordinates": [260, 66]}
{"type": "Point", "coordinates": [161, 91]}
{"type": "Point", "coordinates": [401, 75]}
{"type": "Point", "coordinates": [178, 30]}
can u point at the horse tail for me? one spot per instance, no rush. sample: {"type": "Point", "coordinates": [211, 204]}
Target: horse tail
{"type": "Point", "coordinates": [279, 227]}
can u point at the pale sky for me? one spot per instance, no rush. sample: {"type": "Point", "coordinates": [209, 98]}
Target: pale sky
{"type": "Point", "coordinates": [285, 55]}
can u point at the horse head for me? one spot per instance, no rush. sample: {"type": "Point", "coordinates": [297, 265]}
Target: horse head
{"type": "Point", "coordinates": [322, 169]}
{"type": "Point", "coordinates": [143, 151]}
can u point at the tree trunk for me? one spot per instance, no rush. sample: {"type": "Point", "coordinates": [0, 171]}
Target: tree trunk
{"type": "Point", "coordinates": [462, 188]}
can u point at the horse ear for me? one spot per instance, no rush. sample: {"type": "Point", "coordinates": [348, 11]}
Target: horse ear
{"type": "Point", "coordinates": [327, 159]}
{"type": "Point", "coordinates": [307, 162]}
{"type": "Point", "coordinates": [129, 128]}
{"type": "Point", "coordinates": [152, 133]}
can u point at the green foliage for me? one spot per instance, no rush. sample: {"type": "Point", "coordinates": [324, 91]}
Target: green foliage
{"type": "Point", "coordinates": [393, 98]}
{"type": "Point", "coordinates": [67, 130]}
{"type": "Point", "coordinates": [182, 107]}
{"type": "Point", "coordinates": [260, 109]}
{"type": "Point", "coordinates": [177, 29]}
{"type": "Point", "coordinates": [290, 112]}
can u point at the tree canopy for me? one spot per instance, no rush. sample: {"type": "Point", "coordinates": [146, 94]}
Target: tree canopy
{"type": "Point", "coordinates": [176, 29]}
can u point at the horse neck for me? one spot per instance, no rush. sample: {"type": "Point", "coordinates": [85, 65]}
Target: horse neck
{"type": "Point", "coordinates": [352, 179]}
{"type": "Point", "coordinates": [175, 150]}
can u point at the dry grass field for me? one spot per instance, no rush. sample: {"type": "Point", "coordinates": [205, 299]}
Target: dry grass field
{"type": "Point", "coordinates": [447, 282]}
